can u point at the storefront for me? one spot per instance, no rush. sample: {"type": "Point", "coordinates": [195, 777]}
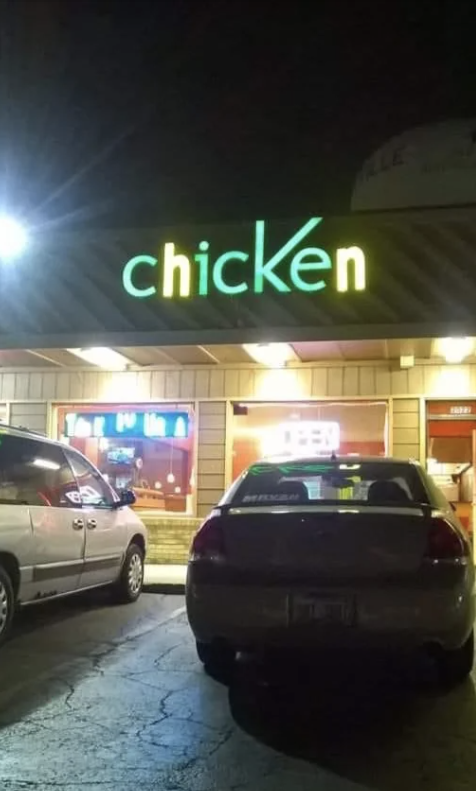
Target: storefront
{"type": "Point", "coordinates": [149, 449]}
{"type": "Point", "coordinates": [232, 343]}
{"type": "Point", "coordinates": [451, 453]}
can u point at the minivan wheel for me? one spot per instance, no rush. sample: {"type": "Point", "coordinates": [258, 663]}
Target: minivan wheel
{"type": "Point", "coordinates": [455, 666]}
{"type": "Point", "coordinates": [7, 604]}
{"type": "Point", "coordinates": [217, 657]}
{"type": "Point", "coordinates": [129, 585]}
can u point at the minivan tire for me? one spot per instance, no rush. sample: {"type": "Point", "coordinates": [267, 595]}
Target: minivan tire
{"type": "Point", "coordinates": [129, 586]}
{"type": "Point", "coordinates": [217, 658]}
{"type": "Point", "coordinates": [7, 604]}
{"type": "Point", "coordinates": [455, 666]}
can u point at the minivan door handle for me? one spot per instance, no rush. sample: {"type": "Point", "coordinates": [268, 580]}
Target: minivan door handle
{"type": "Point", "coordinates": [92, 524]}
{"type": "Point", "coordinates": [78, 524]}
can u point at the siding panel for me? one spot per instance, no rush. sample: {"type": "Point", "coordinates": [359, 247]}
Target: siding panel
{"type": "Point", "coordinates": [367, 381]}
{"type": "Point", "coordinates": [29, 415]}
{"type": "Point", "coordinates": [406, 420]}
{"type": "Point", "coordinates": [187, 384]}
{"type": "Point", "coordinates": [351, 381]}
{"type": "Point", "coordinates": [22, 384]}
{"type": "Point", "coordinates": [406, 428]}
{"type": "Point", "coordinates": [382, 382]}
{"type": "Point", "coordinates": [336, 381]}
{"type": "Point", "coordinates": [202, 384]}
{"type": "Point", "coordinates": [406, 405]}
{"type": "Point", "coordinates": [211, 454]}
{"type": "Point", "coordinates": [8, 387]}
{"type": "Point", "coordinates": [217, 384]}
{"type": "Point", "coordinates": [320, 382]}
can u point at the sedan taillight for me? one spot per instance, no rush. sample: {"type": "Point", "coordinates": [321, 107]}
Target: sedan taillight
{"type": "Point", "coordinates": [209, 542]}
{"type": "Point", "coordinates": [445, 542]}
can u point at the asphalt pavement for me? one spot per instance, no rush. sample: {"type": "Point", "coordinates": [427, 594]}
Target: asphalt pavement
{"type": "Point", "coordinates": [96, 696]}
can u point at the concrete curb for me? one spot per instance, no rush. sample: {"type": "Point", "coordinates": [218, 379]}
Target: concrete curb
{"type": "Point", "coordinates": [164, 578]}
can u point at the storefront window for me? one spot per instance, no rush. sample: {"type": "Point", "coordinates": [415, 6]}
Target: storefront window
{"type": "Point", "coordinates": [145, 448]}
{"type": "Point", "coordinates": [264, 430]}
{"type": "Point", "coordinates": [451, 450]}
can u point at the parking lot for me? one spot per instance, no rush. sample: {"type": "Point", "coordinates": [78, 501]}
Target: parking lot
{"type": "Point", "coordinates": [97, 696]}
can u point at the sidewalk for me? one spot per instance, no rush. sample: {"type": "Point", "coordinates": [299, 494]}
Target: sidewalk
{"type": "Point", "coordinates": [155, 575]}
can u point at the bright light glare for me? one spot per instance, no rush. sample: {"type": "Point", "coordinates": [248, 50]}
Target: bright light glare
{"type": "Point", "coordinates": [102, 357]}
{"type": "Point", "coordinates": [13, 238]}
{"type": "Point", "coordinates": [455, 350]}
{"type": "Point", "coordinates": [307, 437]}
{"type": "Point", "coordinates": [274, 355]}
{"type": "Point", "coordinates": [45, 464]}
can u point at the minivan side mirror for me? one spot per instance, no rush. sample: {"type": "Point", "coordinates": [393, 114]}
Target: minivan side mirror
{"type": "Point", "coordinates": [126, 497]}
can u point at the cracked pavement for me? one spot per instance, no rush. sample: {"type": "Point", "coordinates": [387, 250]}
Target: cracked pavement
{"type": "Point", "coordinates": [95, 696]}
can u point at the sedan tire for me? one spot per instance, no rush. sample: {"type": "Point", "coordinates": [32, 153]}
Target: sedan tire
{"type": "Point", "coordinates": [455, 666]}
{"type": "Point", "coordinates": [216, 657]}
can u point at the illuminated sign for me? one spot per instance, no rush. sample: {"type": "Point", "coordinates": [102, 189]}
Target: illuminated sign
{"type": "Point", "coordinates": [293, 267]}
{"type": "Point", "coordinates": [155, 425]}
{"type": "Point", "coordinates": [461, 410]}
{"type": "Point", "coordinates": [301, 438]}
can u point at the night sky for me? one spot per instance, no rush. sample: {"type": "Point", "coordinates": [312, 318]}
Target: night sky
{"type": "Point", "coordinates": [148, 113]}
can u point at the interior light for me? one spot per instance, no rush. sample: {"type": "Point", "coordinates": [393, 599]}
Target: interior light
{"type": "Point", "coordinates": [103, 357]}
{"type": "Point", "coordinates": [273, 355]}
{"type": "Point", "coordinates": [13, 238]}
{"type": "Point", "coordinates": [177, 490]}
{"type": "Point", "coordinates": [455, 350]}
{"type": "Point", "coordinates": [170, 478]}
{"type": "Point", "coordinates": [157, 485]}
{"type": "Point", "coordinates": [180, 428]}
{"type": "Point", "coordinates": [313, 437]}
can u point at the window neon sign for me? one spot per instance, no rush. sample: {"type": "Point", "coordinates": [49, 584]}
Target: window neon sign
{"type": "Point", "coordinates": [301, 438]}
{"type": "Point", "coordinates": [307, 269]}
{"type": "Point", "coordinates": [153, 425]}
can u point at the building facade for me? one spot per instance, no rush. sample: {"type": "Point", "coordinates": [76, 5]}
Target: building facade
{"type": "Point", "coordinates": [363, 308]}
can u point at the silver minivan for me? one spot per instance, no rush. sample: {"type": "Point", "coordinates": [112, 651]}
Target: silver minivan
{"type": "Point", "coordinates": [63, 529]}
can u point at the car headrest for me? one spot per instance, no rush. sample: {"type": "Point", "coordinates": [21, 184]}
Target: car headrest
{"type": "Point", "coordinates": [295, 490]}
{"type": "Point", "coordinates": [386, 492]}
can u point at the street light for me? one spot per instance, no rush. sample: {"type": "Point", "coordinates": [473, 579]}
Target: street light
{"type": "Point", "coordinates": [13, 238]}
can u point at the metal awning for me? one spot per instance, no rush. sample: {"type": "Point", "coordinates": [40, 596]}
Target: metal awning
{"type": "Point", "coordinates": [306, 352]}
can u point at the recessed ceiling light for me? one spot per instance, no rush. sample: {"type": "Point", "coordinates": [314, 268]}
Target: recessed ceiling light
{"type": "Point", "coordinates": [103, 357]}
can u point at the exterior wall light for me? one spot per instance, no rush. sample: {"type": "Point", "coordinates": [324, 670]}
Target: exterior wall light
{"type": "Point", "coordinates": [273, 355]}
{"type": "Point", "coordinates": [455, 350]}
{"type": "Point", "coordinates": [13, 238]}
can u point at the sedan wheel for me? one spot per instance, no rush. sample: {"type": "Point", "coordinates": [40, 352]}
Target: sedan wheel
{"type": "Point", "coordinates": [455, 666]}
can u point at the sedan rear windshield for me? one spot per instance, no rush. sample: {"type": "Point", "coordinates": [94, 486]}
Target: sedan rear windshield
{"type": "Point", "coordinates": [296, 483]}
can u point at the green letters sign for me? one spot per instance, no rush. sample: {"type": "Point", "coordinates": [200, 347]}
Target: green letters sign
{"type": "Point", "coordinates": [293, 267]}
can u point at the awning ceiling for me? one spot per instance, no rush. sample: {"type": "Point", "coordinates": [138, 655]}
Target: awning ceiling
{"type": "Point", "coordinates": [308, 352]}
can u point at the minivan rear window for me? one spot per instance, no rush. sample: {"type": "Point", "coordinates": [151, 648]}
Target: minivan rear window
{"type": "Point", "coordinates": [296, 483]}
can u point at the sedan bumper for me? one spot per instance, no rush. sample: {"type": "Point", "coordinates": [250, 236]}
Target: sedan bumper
{"type": "Point", "coordinates": [258, 617]}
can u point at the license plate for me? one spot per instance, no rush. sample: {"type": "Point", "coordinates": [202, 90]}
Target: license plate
{"type": "Point", "coordinates": [323, 610]}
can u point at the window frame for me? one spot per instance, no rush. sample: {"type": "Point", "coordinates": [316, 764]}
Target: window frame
{"type": "Point", "coordinates": [39, 446]}
{"type": "Point", "coordinates": [70, 454]}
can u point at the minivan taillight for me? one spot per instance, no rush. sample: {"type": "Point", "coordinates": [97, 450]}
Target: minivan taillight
{"type": "Point", "coordinates": [209, 542]}
{"type": "Point", "coordinates": [445, 542]}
